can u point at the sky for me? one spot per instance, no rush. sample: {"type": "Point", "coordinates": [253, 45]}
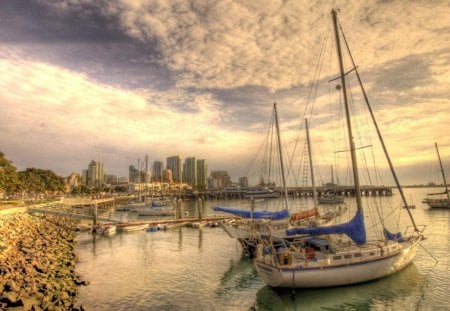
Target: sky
{"type": "Point", "coordinates": [115, 80]}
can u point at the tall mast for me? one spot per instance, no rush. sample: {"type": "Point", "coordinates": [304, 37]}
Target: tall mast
{"type": "Point", "coordinates": [380, 137]}
{"type": "Point", "coordinates": [311, 164]}
{"type": "Point", "coordinates": [442, 171]}
{"type": "Point", "coordinates": [281, 154]}
{"type": "Point", "coordinates": [146, 177]}
{"type": "Point", "coordinates": [347, 114]}
{"type": "Point", "coordinates": [139, 180]}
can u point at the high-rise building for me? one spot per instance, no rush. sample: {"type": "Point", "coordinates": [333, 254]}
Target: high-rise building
{"type": "Point", "coordinates": [173, 163]}
{"type": "Point", "coordinates": [96, 175]}
{"type": "Point", "coordinates": [190, 171]}
{"type": "Point", "coordinates": [221, 179]}
{"type": "Point", "coordinates": [157, 171]}
{"type": "Point", "coordinates": [85, 177]}
{"type": "Point", "coordinates": [133, 174]}
{"type": "Point", "coordinates": [202, 174]}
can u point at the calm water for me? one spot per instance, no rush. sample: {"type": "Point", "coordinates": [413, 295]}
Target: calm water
{"type": "Point", "coordinates": [204, 269]}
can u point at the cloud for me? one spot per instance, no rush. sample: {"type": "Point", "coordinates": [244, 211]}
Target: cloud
{"type": "Point", "coordinates": [121, 78]}
{"type": "Point", "coordinates": [229, 44]}
{"type": "Point", "coordinates": [54, 111]}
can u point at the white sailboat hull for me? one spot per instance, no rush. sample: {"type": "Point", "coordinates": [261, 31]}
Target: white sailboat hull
{"type": "Point", "coordinates": [337, 275]}
{"type": "Point", "coordinates": [438, 203]}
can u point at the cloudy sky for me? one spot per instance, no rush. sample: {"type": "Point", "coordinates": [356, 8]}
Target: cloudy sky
{"type": "Point", "coordinates": [113, 80]}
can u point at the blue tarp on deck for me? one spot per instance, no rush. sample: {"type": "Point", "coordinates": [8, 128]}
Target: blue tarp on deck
{"type": "Point", "coordinates": [256, 214]}
{"type": "Point", "coordinates": [354, 229]}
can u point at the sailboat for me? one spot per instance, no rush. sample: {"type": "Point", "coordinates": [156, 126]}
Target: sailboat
{"type": "Point", "coordinates": [339, 254]}
{"type": "Point", "coordinates": [260, 224]}
{"type": "Point", "coordinates": [254, 220]}
{"type": "Point", "coordinates": [441, 202]}
{"type": "Point", "coordinates": [331, 197]}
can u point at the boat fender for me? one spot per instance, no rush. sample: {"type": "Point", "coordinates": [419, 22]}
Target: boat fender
{"type": "Point", "coordinates": [285, 259]}
{"type": "Point", "coordinates": [310, 253]}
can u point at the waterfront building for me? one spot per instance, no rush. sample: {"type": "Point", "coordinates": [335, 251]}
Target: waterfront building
{"type": "Point", "coordinates": [73, 181]}
{"type": "Point", "coordinates": [243, 182]}
{"type": "Point", "coordinates": [133, 174]}
{"type": "Point", "coordinates": [221, 179]}
{"type": "Point", "coordinates": [96, 175]}
{"type": "Point", "coordinates": [202, 174]}
{"type": "Point", "coordinates": [173, 163]}
{"type": "Point", "coordinates": [167, 176]}
{"type": "Point", "coordinates": [190, 172]}
{"type": "Point", "coordinates": [157, 171]}
{"type": "Point", "coordinates": [111, 179]}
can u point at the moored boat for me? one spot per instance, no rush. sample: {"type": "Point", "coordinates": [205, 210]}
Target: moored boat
{"type": "Point", "coordinates": [439, 202]}
{"type": "Point", "coordinates": [340, 254]}
{"type": "Point", "coordinates": [261, 194]}
{"type": "Point", "coordinates": [133, 227]}
{"type": "Point", "coordinates": [109, 229]}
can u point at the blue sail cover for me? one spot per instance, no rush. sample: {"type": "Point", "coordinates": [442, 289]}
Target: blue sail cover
{"type": "Point", "coordinates": [354, 229]}
{"type": "Point", "coordinates": [393, 236]}
{"type": "Point", "coordinates": [256, 214]}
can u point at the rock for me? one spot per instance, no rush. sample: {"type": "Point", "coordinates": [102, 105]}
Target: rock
{"type": "Point", "coordinates": [11, 286]}
{"type": "Point", "coordinates": [9, 297]}
{"type": "Point", "coordinates": [37, 270]}
{"type": "Point", "coordinates": [28, 302]}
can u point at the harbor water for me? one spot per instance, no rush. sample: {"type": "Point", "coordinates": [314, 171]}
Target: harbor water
{"type": "Point", "coordinates": [204, 269]}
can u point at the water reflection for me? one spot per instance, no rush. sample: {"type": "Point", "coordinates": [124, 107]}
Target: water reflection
{"type": "Point", "coordinates": [239, 275]}
{"type": "Point", "coordinates": [401, 291]}
{"type": "Point", "coordinates": [200, 238]}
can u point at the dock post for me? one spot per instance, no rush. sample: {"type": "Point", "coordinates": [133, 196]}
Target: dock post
{"type": "Point", "coordinates": [95, 213]}
{"type": "Point", "coordinates": [200, 205]}
{"type": "Point", "coordinates": [179, 211]}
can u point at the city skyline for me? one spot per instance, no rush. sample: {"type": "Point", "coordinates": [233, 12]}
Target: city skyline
{"type": "Point", "coordinates": [114, 80]}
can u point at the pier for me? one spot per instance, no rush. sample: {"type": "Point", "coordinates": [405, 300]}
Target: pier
{"type": "Point", "coordinates": [103, 213]}
{"type": "Point", "coordinates": [348, 191]}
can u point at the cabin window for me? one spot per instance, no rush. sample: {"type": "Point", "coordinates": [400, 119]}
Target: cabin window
{"type": "Point", "coordinates": [347, 256]}
{"type": "Point", "coordinates": [337, 257]}
{"type": "Point", "coordinates": [357, 255]}
{"type": "Point", "coordinates": [371, 253]}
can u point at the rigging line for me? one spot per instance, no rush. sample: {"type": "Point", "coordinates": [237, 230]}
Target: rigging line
{"type": "Point", "coordinates": [264, 160]}
{"type": "Point", "coordinates": [347, 150]}
{"type": "Point", "coordinates": [431, 255]}
{"type": "Point", "coordinates": [321, 62]}
{"type": "Point", "coordinates": [293, 153]}
{"type": "Point", "coordinates": [253, 160]}
{"type": "Point", "coordinates": [397, 182]}
{"type": "Point", "coordinates": [314, 82]}
{"type": "Point", "coordinates": [270, 152]}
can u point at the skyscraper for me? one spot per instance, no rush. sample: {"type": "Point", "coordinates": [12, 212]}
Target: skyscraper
{"type": "Point", "coordinates": [157, 171]}
{"type": "Point", "coordinates": [133, 174]}
{"type": "Point", "coordinates": [202, 174]}
{"type": "Point", "coordinates": [174, 164]}
{"type": "Point", "coordinates": [190, 171]}
{"type": "Point", "coordinates": [96, 174]}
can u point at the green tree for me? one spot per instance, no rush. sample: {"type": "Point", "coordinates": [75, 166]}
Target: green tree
{"type": "Point", "coordinates": [9, 180]}
{"type": "Point", "coordinates": [36, 181]}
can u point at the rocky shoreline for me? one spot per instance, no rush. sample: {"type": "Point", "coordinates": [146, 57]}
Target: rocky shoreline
{"type": "Point", "coordinates": [37, 263]}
